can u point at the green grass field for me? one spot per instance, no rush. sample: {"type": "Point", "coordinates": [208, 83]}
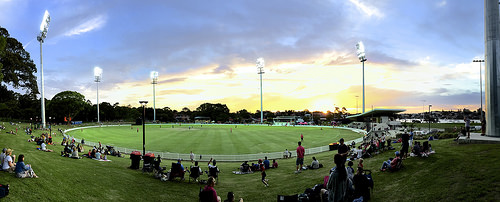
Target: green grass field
{"type": "Point", "coordinates": [214, 139]}
{"type": "Point", "coordinates": [454, 173]}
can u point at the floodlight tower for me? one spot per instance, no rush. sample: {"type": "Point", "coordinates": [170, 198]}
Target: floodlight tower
{"type": "Point", "coordinates": [97, 79]}
{"type": "Point", "coordinates": [154, 81]}
{"type": "Point", "coordinates": [480, 85]}
{"type": "Point", "coordinates": [360, 51]}
{"type": "Point", "coordinates": [260, 68]}
{"type": "Point", "coordinates": [143, 103]}
{"type": "Point", "coordinates": [44, 27]}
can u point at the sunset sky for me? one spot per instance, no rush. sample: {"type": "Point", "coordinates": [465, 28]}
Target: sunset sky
{"type": "Point", "coordinates": [205, 51]}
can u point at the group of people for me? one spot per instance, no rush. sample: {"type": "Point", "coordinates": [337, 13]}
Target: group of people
{"type": "Point", "coordinates": [422, 150]}
{"type": "Point", "coordinates": [343, 184]}
{"type": "Point", "coordinates": [208, 194]}
{"type": "Point", "coordinates": [21, 169]}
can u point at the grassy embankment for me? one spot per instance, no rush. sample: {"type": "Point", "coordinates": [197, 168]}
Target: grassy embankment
{"type": "Point", "coordinates": [455, 172]}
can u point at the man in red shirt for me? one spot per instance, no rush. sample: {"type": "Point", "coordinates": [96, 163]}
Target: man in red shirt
{"type": "Point", "coordinates": [300, 157]}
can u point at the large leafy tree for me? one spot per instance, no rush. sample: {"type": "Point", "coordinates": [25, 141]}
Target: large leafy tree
{"type": "Point", "coordinates": [16, 67]}
{"type": "Point", "coordinates": [67, 104]}
{"type": "Point", "coordinates": [216, 112]}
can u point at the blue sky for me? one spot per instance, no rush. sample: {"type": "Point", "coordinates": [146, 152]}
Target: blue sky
{"type": "Point", "coordinates": [205, 51]}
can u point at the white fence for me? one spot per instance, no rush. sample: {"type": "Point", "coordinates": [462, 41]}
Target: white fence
{"type": "Point", "coordinates": [206, 157]}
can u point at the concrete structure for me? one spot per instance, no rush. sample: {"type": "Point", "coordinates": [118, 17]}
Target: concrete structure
{"type": "Point", "coordinates": [492, 58]}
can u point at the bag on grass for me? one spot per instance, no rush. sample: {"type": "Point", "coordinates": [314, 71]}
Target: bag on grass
{"type": "Point", "coordinates": [4, 190]}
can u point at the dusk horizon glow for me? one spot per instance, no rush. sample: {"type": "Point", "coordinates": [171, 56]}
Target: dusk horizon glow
{"type": "Point", "coordinates": [206, 52]}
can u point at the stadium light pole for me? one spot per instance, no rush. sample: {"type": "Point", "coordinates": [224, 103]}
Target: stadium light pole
{"type": "Point", "coordinates": [480, 85]}
{"type": "Point", "coordinates": [97, 79]}
{"type": "Point", "coordinates": [260, 68]}
{"type": "Point", "coordinates": [44, 27]}
{"type": "Point", "coordinates": [154, 81]}
{"type": "Point", "coordinates": [143, 103]}
{"type": "Point", "coordinates": [430, 117]}
{"type": "Point", "coordinates": [360, 51]}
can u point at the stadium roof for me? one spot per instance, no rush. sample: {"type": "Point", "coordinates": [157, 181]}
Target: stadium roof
{"type": "Point", "coordinates": [377, 113]}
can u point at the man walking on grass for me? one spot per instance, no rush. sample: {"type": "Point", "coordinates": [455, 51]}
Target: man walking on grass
{"type": "Point", "coordinates": [300, 157]}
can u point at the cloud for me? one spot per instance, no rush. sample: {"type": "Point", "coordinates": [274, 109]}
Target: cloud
{"type": "Point", "coordinates": [172, 80]}
{"type": "Point", "coordinates": [183, 92]}
{"type": "Point", "coordinates": [441, 3]}
{"type": "Point", "coordinates": [382, 58]}
{"type": "Point", "coordinates": [368, 10]}
{"type": "Point", "coordinates": [87, 26]}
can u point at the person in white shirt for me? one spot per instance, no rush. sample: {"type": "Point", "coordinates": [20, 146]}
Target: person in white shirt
{"type": "Point", "coordinates": [8, 162]}
{"type": "Point", "coordinates": [314, 164]}
{"type": "Point", "coordinates": [191, 156]}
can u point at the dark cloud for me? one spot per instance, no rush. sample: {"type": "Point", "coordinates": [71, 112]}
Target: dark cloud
{"type": "Point", "coordinates": [382, 58]}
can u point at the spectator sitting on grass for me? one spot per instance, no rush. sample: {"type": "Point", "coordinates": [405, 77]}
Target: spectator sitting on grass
{"type": "Point", "coordinates": [2, 157]}
{"type": "Point", "coordinates": [8, 164]}
{"type": "Point", "coordinates": [230, 197]}
{"type": "Point", "coordinates": [314, 164]}
{"type": "Point", "coordinates": [266, 163]}
{"type": "Point", "coordinates": [74, 154]}
{"type": "Point", "coordinates": [182, 167]}
{"type": "Point", "coordinates": [361, 184]}
{"type": "Point", "coordinates": [214, 164]}
{"type": "Point", "coordinates": [196, 166]}
{"type": "Point", "coordinates": [244, 167]}
{"type": "Point", "coordinates": [416, 149]}
{"type": "Point", "coordinates": [350, 170]}
{"type": "Point", "coordinates": [22, 170]}
{"type": "Point", "coordinates": [285, 154]}
{"type": "Point", "coordinates": [360, 164]}
{"type": "Point", "coordinates": [391, 163]}
{"type": "Point", "coordinates": [209, 193]}
{"type": "Point", "coordinates": [92, 154]}
{"type": "Point", "coordinates": [275, 164]}
{"type": "Point", "coordinates": [97, 155]}
{"type": "Point", "coordinates": [43, 147]}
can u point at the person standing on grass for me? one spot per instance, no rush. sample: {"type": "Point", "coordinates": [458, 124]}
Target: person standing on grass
{"type": "Point", "coordinates": [343, 149]}
{"type": "Point", "coordinates": [467, 125]}
{"type": "Point", "coordinates": [337, 182]}
{"type": "Point", "coordinates": [191, 156]}
{"type": "Point", "coordinates": [301, 137]}
{"type": "Point", "coordinates": [300, 157]}
{"type": "Point", "coordinates": [405, 137]}
{"type": "Point", "coordinates": [263, 174]}
{"type": "Point", "coordinates": [483, 124]}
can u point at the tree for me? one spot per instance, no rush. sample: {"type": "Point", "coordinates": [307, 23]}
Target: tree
{"type": "Point", "coordinates": [16, 67]}
{"type": "Point", "coordinates": [216, 112]}
{"type": "Point", "coordinates": [67, 104]}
